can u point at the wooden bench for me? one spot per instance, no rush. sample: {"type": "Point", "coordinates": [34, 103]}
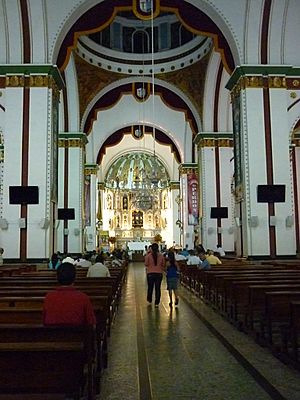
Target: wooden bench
{"type": "Point", "coordinates": [37, 359]}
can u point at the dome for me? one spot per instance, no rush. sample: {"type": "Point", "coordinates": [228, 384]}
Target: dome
{"type": "Point", "coordinates": [137, 171]}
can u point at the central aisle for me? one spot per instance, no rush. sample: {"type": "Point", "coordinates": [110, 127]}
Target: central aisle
{"type": "Point", "coordinates": [168, 354]}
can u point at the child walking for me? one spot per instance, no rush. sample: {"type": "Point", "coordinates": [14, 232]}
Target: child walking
{"type": "Point", "coordinates": [172, 278]}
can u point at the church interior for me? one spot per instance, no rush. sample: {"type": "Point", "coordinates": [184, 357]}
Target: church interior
{"type": "Point", "coordinates": [168, 121]}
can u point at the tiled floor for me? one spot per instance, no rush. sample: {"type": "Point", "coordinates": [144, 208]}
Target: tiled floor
{"type": "Point", "coordinates": [186, 353]}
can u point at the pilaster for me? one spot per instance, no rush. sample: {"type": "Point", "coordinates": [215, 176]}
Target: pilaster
{"type": "Point", "coordinates": [71, 190]}
{"type": "Point", "coordinates": [262, 157]}
{"type": "Point", "coordinates": [30, 99]}
{"type": "Point", "coordinates": [189, 195]}
{"type": "Point", "coordinates": [90, 205]}
{"type": "Point", "coordinates": [215, 155]}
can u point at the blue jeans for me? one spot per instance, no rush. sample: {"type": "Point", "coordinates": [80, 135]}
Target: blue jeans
{"type": "Point", "coordinates": [154, 279]}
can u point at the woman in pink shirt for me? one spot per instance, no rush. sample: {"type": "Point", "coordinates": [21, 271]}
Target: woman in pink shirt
{"type": "Point", "coordinates": [155, 266]}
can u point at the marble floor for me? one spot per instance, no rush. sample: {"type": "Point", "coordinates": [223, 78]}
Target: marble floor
{"type": "Point", "coordinates": [186, 353]}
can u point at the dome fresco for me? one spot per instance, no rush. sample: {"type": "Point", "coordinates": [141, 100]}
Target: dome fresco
{"type": "Point", "coordinates": [137, 171]}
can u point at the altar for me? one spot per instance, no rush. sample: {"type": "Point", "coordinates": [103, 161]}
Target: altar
{"type": "Point", "coordinates": [138, 246]}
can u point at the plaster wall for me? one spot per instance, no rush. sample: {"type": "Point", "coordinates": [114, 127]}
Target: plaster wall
{"type": "Point", "coordinates": [72, 97]}
{"type": "Point", "coordinates": [170, 122]}
{"type": "Point", "coordinates": [285, 237]}
{"type": "Point", "coordinates": [10, 238]}
{"type": "Point", "coordinates": [38, 30]}
{"type": "Point", "coordinates": [226, 173]}
{"type": "Point", "coordinates": [13, 34]}
{"type": "Point", "coordinates": [3, 34]}
{"type": "Point", "coordinates": [38, 174]}
{"type": "Point", "coordinates": [225, 109]}
{"type": "Point", "coordinates": [208, 194]}
{"type": "Point", "coordinates": [254, 169]}
{"type": "Point", "coordinates": [209, 92]}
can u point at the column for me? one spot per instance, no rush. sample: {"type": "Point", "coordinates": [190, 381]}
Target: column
{"type": "Point", "coordinates": [215, 163]}
{"type": "Point", "coordinates": [29, 128]}
{"type": "Point", "coordinates": [263, 179]}
{"type": "Point", "coordinates": [71, 192]}
{"type": "Point", "coordinates": [189, 194]}
{"type": "Point", "coordinates": [90, 205]}
{"type": "Point", "coordinates": [176, 212]}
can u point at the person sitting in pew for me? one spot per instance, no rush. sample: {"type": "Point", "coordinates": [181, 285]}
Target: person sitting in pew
{"type": "Point", "coordinates": [98, 270]}
{"type": "Point", "coordinates": [1, 255]}
{"type": "Point", "coordinates": [66, 305]}
{"type": "Point", "coordinates": [212, 259]}
{"type": "Point", "coordinates": [55, 262]}
{"type": "Point", "coordinates": [193, 259]}
{"type": "Point", "coordinates": [83, 261]}
{"type": "Point", "coordinates": [204, 264]}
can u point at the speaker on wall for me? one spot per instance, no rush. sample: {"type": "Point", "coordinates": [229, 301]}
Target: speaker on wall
{"type": "Point", "coordinates": [219, 212]}
{"type": "Point", "coordinates": [23, 195]}
{"type": "Point", "coordinates": [76, 232]}
{"type": "Point", "coordinates": [66, 213]}
{"type": "Point", "coordinates": [210, 230]}
{"type": "Point", "coordinates": [270, 193]}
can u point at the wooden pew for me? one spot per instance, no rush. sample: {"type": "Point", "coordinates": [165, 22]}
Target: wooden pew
{"type": "Point", "coordinates": [291, 336]}
{"type": "Point", "coordinates": [275, 315]}
{"type": "Point", "coordinates": [37, 359]}
{"type": "Point", "coordinates": [256, 295]}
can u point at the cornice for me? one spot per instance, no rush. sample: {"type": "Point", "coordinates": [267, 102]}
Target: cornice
{"type": "Point", "coordinates": [39, 75]}
{"type": "Point", "coordinates": [187, 168]}
{"type": "Point", "coordinates": [215, 139]}
{"type": "Point", "coordinates": [73, 139]}
{"type": "Point", "coordinates": [174, 185]}
{"type": "Point", "coordinates": [90, 169]}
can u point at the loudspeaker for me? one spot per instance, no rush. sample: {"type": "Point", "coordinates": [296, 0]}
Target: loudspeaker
{"type": "Point", "coordinates": [22, 223]}
{"type": "Point", "coordinates": [289, 221]}
{"type": "Point", "coordinates": [210, 230]}
{"type": "Point", "coordinates": [3, 223]}
{"type": "Point", "coordinates": [253, 221]}
{"type": "Point", "coordinates": [76, 232]}
{"type": "Point", "coordinates": [44, 223]}
{"type": "Point", "coordinates": [273, 220]}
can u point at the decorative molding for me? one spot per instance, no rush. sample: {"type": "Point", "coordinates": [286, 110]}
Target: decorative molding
{"type": "Point", "coordinates": [32, 71]}
{"type": "Point", "coordinates": [72, 140]}
{"type": "Point", "coordinates": [174, 185]}
{"type": "Point", "coordinates": [214, 139]}
{"type": "Point", "coordinates": [101, 185]}
{"type": "Point", "coordinates": [188, 168]}
{"type": "Point", "coordinates": [90, 169]}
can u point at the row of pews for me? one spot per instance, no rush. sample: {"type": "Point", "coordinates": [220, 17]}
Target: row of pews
{"type": "Point", "coordinates": [262, 300]}
{"type": "Point", "coordinates": [60, 360]}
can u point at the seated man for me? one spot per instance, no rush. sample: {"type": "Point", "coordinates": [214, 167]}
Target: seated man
{"type": "Point", "coordinates": [212, 259]}
{"type": "Point", "coordinates": [204, 264]}
{"type": "Point", "coordinates": [98, 270]}
{"type": "Point", "coordinates": [66, 305]}
{"type": "Point", "coordinates": [193, 259]}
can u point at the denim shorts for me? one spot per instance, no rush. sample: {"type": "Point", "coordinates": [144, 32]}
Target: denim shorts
{"type": "Point", "coordinates": [172, 283]}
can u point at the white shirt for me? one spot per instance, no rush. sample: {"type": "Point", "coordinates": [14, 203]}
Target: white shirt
{"type": "Point", "coordinates": [98, 270]}
{"type": "Point", "coordinates": [179, 257]}
{"type": "Point", "coordinates": [220, 251]}
{"type": "Point", "coordinates": [193, 260]}
{"type": "Point", "coordinates": [83, 263]}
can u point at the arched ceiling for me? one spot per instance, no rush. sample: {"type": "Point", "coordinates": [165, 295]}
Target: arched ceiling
{"type": "Point", "coordinates": [100, 64]}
